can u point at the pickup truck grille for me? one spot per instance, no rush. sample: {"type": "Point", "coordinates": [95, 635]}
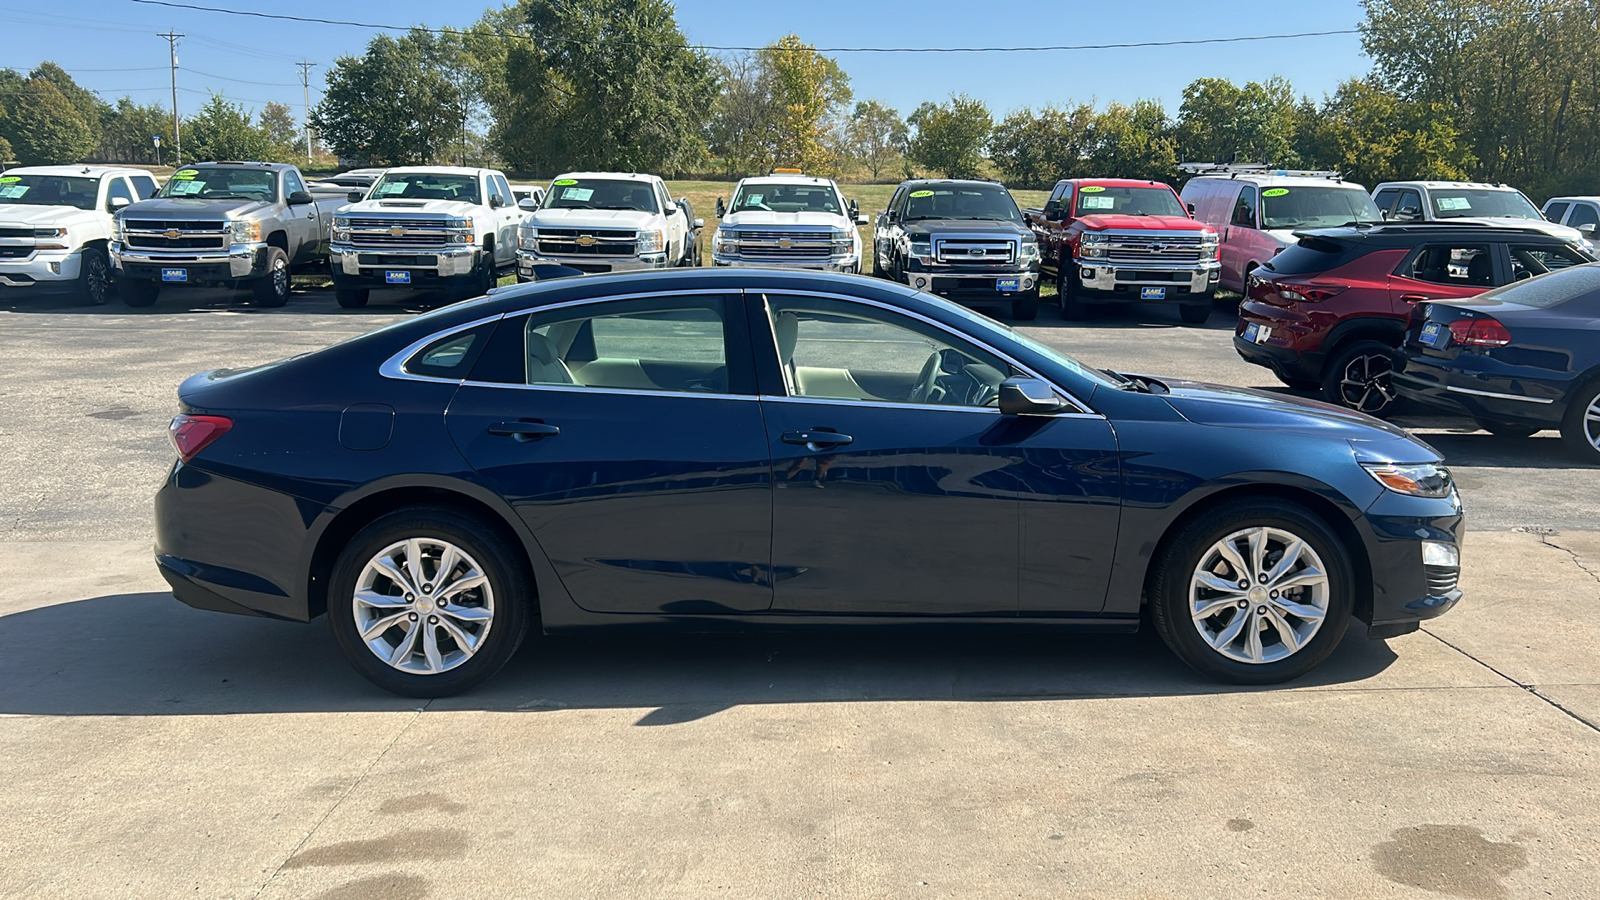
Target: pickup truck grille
{"type": "Point", "coordinates": [16, 251]}
{"type": "Point", "coordinates": [588, 242]}
{"type": "Point", "coordinates": [396, 233]}
{"type": "Point", "coordinates": [12, 232]}
{"type": "Point", "coordinates": [1139, 248]}
{"type": "Point", "coordinates": [955, 251]}
{"type": "Point", "coordinates": [785, 246]}
{"type": "Point", "coordinates": [163, 234]}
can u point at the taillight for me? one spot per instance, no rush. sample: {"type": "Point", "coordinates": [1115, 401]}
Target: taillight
{"type": "Point", "coordinates": [1481, 332]}
{"type": "Point", "coordinates": [191, 434]}
{"type": "Point", "coordinates": [1316, 293]}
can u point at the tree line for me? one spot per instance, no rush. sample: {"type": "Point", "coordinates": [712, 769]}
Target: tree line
{"type": "Point", "coordinates": [1499, 90]}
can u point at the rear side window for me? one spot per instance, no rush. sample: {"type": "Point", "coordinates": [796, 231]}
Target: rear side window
{"type": "Point", "coordinates": [451, 356]}
{"type": "Point", "coordinates": [1309, 256]}
{"type": "Point", "coordinates": [1577, 282]}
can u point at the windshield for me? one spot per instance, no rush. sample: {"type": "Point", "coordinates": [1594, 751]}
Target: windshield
{"type": "Point", "coordinates": [962, 201]}
{"type": "Point", "coordinates": [781, 197]}
{"type": "Point", "coordinates": [600, 193]}
{"type": "Point", "coordinates": [222, 183]}
{"type": "Point", "coordinates": [1316, 207]}
{"type": "Point", "coordinates": [1128, 201]}
{"type": "Point", "coordinates": [1456, 203]}
{"type": "Point", "coordinates": [49, 190]}
{"type": "Point", "coordinates": [426, 186]}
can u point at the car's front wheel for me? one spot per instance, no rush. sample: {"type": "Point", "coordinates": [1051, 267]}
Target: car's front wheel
{"type": "Point", "coordinates": [1252, 592]}
{"type": "Point", "coordinates": [273, 288]}
{"type": "Point", "coordinates": [94, 277]}
{"type": "Point", "coordinates": [427, 602]}
{"type": "Point", "coordinates": [1025, 306]}
{"type": "Point", "coordinates": [138, 294]}
{"type": "Point", "coordinates": [1580, 428]}
{"type": "Point", "coordinates": [1067, 295]}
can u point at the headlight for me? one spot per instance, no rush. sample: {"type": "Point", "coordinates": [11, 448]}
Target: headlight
{"type": "Point", "coordinates": [725, 241]}
{"type": "Point", "coordinates": [116, 228]}
{"type": "Point", "coordinates": [841, 236]}
{"type": "Point", "coordinates": [1095, 238]}
{"type": "Point", "coordinates": [246, 232]}
{"type": "Point", "coordinates": [922, 248]}
{"type": "Point", "coordinates": [527, 237]}
{"type": "Point", "coordinates": [651, 242]}
{"type": "Point", "coordinates": [50, 238]}
{"type": "Point", "coordinates": [1418, 480]}
{"type": "Point", "coordinates": [341, 221]}
{"type": "Point", "coordinates": [1029, 251]}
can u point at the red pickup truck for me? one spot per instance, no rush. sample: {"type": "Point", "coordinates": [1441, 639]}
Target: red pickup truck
{"type": "Point", "coordinates": [1116, 240]}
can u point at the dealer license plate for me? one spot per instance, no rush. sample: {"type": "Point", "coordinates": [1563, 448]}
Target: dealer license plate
{"type": "Point", "coordinates": [397, 277]}
{"type": "Point", "coordinates": [1008, 284]}
{"type": "Point", "coordinates": [1153, 293]}
{"type": "Point", "coordinates": [174, 274]}
{"type": "Point", "coordinates": [1433, 335]}
{"type": "Point", "coordinates": [1257, 334]}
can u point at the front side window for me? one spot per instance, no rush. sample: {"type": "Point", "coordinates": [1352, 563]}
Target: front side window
{"type": "Point", "coordinates": [49, 190]}
{"type": "Point", "coordinates": [1244, 211]}
{"type": "Point", "coordinates": [427, 186]}
{"type": "Point", "coordinates": [1583, 214]}
{"type": "Point", "coordinates": [1457, 265]}
{"type": "Point", "coordinates": [962, 201]}
{"type": "Point", "coordinates": [292, 182]}
{"type": "Point", "coordinates": [1128, 201]}
{"type": "Point", "coordinates": [835, 350]}
{"type": "Point", "coordinates": [118, 189]}
{"type": "Point", "coordinates": [1460, 203]}
{"type": "Point", "coordinates": [1317, 206]}
{"type": "Point", "coordinates": [1540, 259]}
{"type": "Point", "coordinates": [779, 196]}
{"type": "Point", "coordinates": [1555, 211]}
{"type": "Point", "coordinates": [1408, 207]}
{"type": "Point", "coordinates": [222, 183]}
{"type": "Point", "coordinates": [673, 344]}
{"type": "Point", "coordinates": [601, 193]}
{"type": "Point", "coordinates": [496, 192]}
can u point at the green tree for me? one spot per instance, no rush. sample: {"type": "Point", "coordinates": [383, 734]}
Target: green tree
{"type": "Point", "coordinates": [604, 84]}
{"type": "Point", "coordinates": [283, 132]}
{"type": "Point", "coordinates": [222, 130]}
{"type": "Point", "coordinates": [126, 131]}
{"type": "Point", "coordinates": [404, 101]}
{"type": "Point", "coordinates": [1372, 136]}
{"type": "Point", "coordinates": [1221, 121]}
{"type": "Point", "coordinates": [950, 137]}
{"type": "Point", "coordinates": [739, 130]}
{"type": "Point", "coordinates": [44, 127]}
{"type": "Point", "coordinates": [1135, 142]}
{"type": "Point", "coordinates": [877, 136]}
{"type": "Point", "coordinates": [86, 102]}
{"type": "Point", "coordinates": [807, 89]}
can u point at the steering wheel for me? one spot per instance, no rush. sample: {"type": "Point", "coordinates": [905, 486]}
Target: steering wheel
{"type": "Point", "coordinates": [927, 380]}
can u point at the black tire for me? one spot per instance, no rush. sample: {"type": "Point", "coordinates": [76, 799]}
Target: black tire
{"type": "Point", "coordinates": [94, 277]}
{"type": "Point", "coordinates": [352, 298]}
{"type": "Point", "coordinates": [508, 586]}
{"type": "Point", "coordinates": [272, 289]}
{"type": "Point", "coordinates": [137, 294]}
{"type": "Point", "coordinates": [1506, 429]}
{"type": "Point", "coordinates": [1358, 378]}
{"type": "Point", "coordinates": [480, 282]}
{"type": "Point", "coordinates": [1579, 431]}
{"type": "Point", "coordinates": [1067, 295]}
{"type": "Point", "coordinates": [1194, 313]}
{"type": "Point", "coordinates": [1299, 384]}
{"type": "Point", "coordinates": [1180, 558]}
{"type": "Point", "coordinates": [1025, 306]}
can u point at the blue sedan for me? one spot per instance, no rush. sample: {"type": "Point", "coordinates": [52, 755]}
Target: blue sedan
{"type": "Point", "coordinates": [708, 450]}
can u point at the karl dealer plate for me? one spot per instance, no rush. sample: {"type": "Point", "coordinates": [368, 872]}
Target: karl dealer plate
{"type": "Point", "coordinates": [1008, 284]}
{"type": "Point", "coordinates": [397, 277]}
{"type": "Point", "coordinates": [174, 274]}
{"type": "Point", "coordinates": [1153, 293]}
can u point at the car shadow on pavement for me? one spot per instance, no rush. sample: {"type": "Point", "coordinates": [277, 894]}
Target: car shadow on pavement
{"type": "Point", "coordinates": [146, 654]}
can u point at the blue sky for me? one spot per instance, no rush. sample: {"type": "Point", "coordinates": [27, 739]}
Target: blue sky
{"type": "Point", "coordinates": [252, 60]}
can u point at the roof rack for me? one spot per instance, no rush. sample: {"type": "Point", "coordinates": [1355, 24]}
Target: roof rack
{"type": "Point", "coordinates": [1233, 169]}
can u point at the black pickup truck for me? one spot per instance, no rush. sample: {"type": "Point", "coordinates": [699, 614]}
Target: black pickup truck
{"type": "Point", "coordinates": [964, 240]}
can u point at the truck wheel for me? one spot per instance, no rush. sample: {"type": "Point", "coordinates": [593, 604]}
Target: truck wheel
{"type": "Point", "coordinates": [480, 282]}
{"type": "Point", "coordinates": [1025, 306]}
{"type": "Point", "coordinates": [137, 294]}
{"type": "Point", "coordinates": [352, 298]}
{"type": "Point", "coordinates": [273, 288]}
{"type": "Point", "coordinates": [1067, 295]}
{"type": "Point", "coordinates": [94, 277]}
{"type": "Point", "coordinates": [1195, 314]}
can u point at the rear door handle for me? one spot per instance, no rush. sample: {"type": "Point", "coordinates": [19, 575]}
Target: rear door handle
{"type": "Point", "coordinates": [525, 431]}
{"type": "Point", "coordinates": [815, 438]}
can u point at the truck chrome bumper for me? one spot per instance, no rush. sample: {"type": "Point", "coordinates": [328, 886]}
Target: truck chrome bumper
{"type": "Point", "coordinates": [372, 262]}
{"type": "Point", "coordinates": [930, 279]}
{"type": "Point", "coordinates": [240, 261]}
{"type": "Point", "coordinates": [527, 259]}
{"type": "Point", "coordinates": [850, 263]}
{"type": "Point", "coordinates": [1103, 275]}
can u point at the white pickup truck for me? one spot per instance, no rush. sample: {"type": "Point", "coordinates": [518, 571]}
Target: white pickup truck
{"type": "Point", "coordinates": [608, 222]}
{"type": "Point", "coordinates": [55, 226]}
{"type": "Point", "coordinates": [788, 219]}
{"type": "Point", "coordinates": [425, 227]}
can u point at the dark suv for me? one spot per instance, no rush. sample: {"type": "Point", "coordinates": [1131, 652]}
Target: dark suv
{"type": "Point", "coordinates": [1328, 312]}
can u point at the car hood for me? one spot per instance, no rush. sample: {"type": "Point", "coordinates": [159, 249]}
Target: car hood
{"type": "Point", "coordinates": [452, 208]}
{"type": "Point", "coordinates": [1140, 223]}
{"type": "Point", "coordinates": [761, 218]}
{"type": "Point", "coordinates": [966, 226]}
{"type": "Point", "coordinates": [1256, 410]}
{"type": "Point", "coordinates": [185, 208]}
{"type": "Point", "coordinates": [24, 214]}
{"type": "Point", "coordinates": [579, 218]}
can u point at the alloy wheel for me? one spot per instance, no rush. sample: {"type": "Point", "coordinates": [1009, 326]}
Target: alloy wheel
{"type": "Point", "coordinates": [423, 606]}
{"type": "Point", "coordinates": [97, 282]}
{"type": "Point", "coordinates": [1364, 382]}
{"type": "Point", "coordinates": [1259, 595]}
{"type": "Point", "coordinates": [1591, 423]}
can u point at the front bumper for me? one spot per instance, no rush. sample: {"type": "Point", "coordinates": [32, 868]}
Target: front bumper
{"type": "Point", "coordinates": [1405, 592]}
{"type": "Point", "coordinates": [1483, 393]}
{"type": "Point", "coordinates": [952, 283]}
{"type": "Point", "coordinates": [593, 265]}
{"type": "Point", "coordinates": [241, 261]}
{"type": "Point", "coordinates": [850, 263]}
{"type": "Point", "coordinates": [1124, 281]}
{"type": "Point", "coordinates": [41, 272]}
{"type": "Point", "coordinates": [368, 266]}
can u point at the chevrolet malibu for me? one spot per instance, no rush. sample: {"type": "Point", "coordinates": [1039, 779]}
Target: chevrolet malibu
{"type": "Point", "coordinates": [741, 448]}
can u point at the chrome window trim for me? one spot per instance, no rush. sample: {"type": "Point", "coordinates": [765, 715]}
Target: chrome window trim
{"type": "Point", "coordinates": [1497, 396]}
{"type": "Point", "coordinates": [1083, 408]}
{"type": "Point", "coordinates": [591, 389]}
{"type": "Point", "coordinates": [935, 407]}
{"type": "Point", "coordinates": [394, 366]}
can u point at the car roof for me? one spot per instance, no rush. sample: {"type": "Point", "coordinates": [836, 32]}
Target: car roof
{"type": "Point", "coordinates": [979, 181]}
{"type": "Point", "coordinates": [1587, 198]}
{"type": "Point", "coordinates": [1416, 232]}
{"type": "Point", "coordinates": [1279, 181]}
{"type": "Point", "coordinates": [239, 163]}
{"type": "Point", "coordinates": [621, 176]}
{"type": "Point", "coordinates": [79, 171]}
{"type": "Point", "coordinates": [1436, 185]}
{"type": "Point", "coordinates": [440, 170]}
{"type": "Point", "coordinates": [786, 178]}
{"type": "Point", "coordinates": [1118, 182]}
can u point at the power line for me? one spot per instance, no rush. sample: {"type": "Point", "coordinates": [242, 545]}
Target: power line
{"type": "Point", "coordinates": [242, 81]}
{"type": "Point", "coordinates": [1115, 46]}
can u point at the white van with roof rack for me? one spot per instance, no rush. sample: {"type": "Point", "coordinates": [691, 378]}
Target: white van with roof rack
{"type": "Point", "coordinates": [1467, 201]}
{"type": "Point", "coordinates": [1257, 209]}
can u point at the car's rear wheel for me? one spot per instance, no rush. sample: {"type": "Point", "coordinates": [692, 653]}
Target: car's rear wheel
{"type": "Point", "coordinates": [137, 294]}
{"type": "Point", "coordinates": [427, 602]}
{"type": "Point", "coordinates": [1506, 429]}
{"type": "Point", "coordinates": [1025, 306]}
{"type": "Point", "coordinates": [352, 298]}
{"type": "Point", "coordinates": [1253, 592]}
{"type": "Point", "coordinates": [1580, 428]}
{"type": "Point", "coordinates": [1067, 295]}
{"type": "Point", "coordinates": [273, 288]}
{"type": "Point", "coordinates": [1358, 378]}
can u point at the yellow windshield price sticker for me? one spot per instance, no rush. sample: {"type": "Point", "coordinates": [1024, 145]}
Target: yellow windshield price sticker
{"type": "Point", "coordinates": [1091, 189]}
{"type": "Point", "coordinates": [10, 179]}
{"type": "Point", "coordinates": [922, 193]}
{"type": "Point", "coordinates": [1275, 192]}
{"type": "Point", "coordinates": [185, 174]}
{"type": "Point", "coordinates": [564, 181]}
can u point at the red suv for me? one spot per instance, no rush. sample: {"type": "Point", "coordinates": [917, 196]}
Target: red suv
{"type": "Point", "coordinates": [1327, 313]}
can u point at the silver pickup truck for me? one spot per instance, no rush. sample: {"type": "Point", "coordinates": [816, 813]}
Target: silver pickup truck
{"type": "Point", "coordinates": [222, 223]}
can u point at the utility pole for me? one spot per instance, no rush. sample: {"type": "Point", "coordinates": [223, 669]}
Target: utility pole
{"type": "Point", "coordinates": [177, 136]}
{"type": "Point", "coordinates": [305, 85]}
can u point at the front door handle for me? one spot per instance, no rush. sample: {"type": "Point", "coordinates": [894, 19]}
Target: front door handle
{"type": "Point", "coordinates": [1415, 298]}
{"type": "Point", "coordinates": [815, 438]}
{"type": "Point", "coordinates": [525, 431]}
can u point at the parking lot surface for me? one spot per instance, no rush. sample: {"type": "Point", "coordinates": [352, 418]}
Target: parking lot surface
{"type": "Point", "coordinates": [157, 751]}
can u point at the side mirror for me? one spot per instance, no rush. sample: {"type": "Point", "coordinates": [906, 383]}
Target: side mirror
{"type": "Point", "coordinates": [528, 203]}
{"type": "Point", "coordinates": [496, 201]}
{"type": "Point", "coordinates": [356, 196]}
{"type": "Point", "coordinates": [1191, 210]}
{"type": "Point", "coordinates": [722, 208]}
{"type": "Point", "coordinates": [1586, 229]}
{"type": "Point", "coordinates": [300, 198]}
{"type": "Point", "coordinates": [1029, 396]}
{"type": "Point", "coordinates": [699, 224]}
{"type": "Point", "coordinates": [119, 202]}
{"type": "Point", "coordinates": [855, 208]}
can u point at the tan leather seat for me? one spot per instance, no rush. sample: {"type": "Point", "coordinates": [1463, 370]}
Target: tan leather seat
{"type": "Point", "coordinates": [544, 364]}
